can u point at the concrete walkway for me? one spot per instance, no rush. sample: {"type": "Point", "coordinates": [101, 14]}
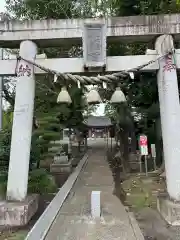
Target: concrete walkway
{"type": "Point", "coordinates": [74, 220]}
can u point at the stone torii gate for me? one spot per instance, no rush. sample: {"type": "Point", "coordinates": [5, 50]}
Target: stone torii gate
{"type": "Point", "coordinates": [46, 33]}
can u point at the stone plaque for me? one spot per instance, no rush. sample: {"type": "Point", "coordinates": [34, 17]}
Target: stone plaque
{"type": "Point", "coordinates": [94, 45]}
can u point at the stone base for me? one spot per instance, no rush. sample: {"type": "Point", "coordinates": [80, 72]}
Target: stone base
{"type": "Point", "coordinates": [61, 159]}
{"type": "Point", "coordinates": [169, 210]}
{"type": "Point", "coordinates": [60, 178]}
{"type": "Point", "coordinates": [18, 213]}
{"type": "Point", "coordinates": [61, 168]}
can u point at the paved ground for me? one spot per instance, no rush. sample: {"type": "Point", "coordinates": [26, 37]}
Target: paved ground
{"type": "Point", "coordinates": [74, 221]}
{"type": "Point", "coordinates": [154, 226]}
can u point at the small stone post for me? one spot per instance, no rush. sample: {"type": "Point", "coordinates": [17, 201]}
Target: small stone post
{"type": "Point", "coordinates": [22, 125]}
{"type": "Point", "coordinates": [170, 115]}
{"type": "Point", "coordinates": [95, 204]}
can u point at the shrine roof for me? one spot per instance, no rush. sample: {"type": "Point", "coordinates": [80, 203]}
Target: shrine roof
{"type": "Point", "coordinates": [98, 121]}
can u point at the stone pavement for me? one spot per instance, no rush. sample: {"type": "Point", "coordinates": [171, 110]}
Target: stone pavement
{"type": "Point", "coordinates": [74, 220]}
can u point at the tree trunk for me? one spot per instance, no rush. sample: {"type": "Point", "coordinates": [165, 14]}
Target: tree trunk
{"type": "Point", "coordinates": [118, 190]}
{"type": "Point", "coordinates": [161, 170]}
{"type": "Point", "coordinates": [133, 141]}
{"type": "Point", "coordinates": [125, 151]}
{"type": "Point", "coordinates": [79, 145]}
{"type": "Point", "coordinates": [70, 144]}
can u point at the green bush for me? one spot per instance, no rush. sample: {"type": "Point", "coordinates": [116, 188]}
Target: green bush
{"type": "Point", "coordinates": [3, 176]}
{"type": "Point", "coordinates": [41, 182]}
{"type": "Point", "coordinates": [3, 187]}
{"type": "Point", "coordinates": [5, 141]}
{"type": "Point", "coordinates": [3, 182]}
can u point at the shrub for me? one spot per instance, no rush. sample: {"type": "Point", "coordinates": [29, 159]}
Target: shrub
{"type": "Point", "coordinates": [5, 141]}
{"type": "Point", "coordinates": [3, 187]}
{"type": "Point", "coordinates": [41, 182]}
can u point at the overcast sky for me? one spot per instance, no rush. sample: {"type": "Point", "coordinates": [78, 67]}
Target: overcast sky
{"type": "Point", "coordinates": [2, 4]}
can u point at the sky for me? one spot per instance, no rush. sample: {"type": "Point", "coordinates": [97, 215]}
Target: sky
{"type": "Point", "coordinates": [100, 109]}
{"type": "Point", "coordinates": [2, 5]}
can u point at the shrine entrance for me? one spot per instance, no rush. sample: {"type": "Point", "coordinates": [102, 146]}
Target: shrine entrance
{"type": "Point", "coordinates": [95, 68]}
{"type": "Point", "coordinates": [100, 128]}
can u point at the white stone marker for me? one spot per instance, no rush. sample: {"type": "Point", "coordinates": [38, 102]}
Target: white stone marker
{"type": "Point", "coordinates": [95, 204]}
{"type": "Point", "coordinates": [170, 115]}
{"type": "Point", "coordinates": [22, 125]}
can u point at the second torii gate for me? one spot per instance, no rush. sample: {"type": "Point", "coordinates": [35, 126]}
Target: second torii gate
{"type": "Point", "coordinates": [25, 91]}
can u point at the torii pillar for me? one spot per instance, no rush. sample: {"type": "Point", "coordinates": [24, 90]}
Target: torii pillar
{"type": "Point", "coordinates": [170, 121]}
{"type": "Point", "coordinates": [19, 208]}
{"type": "Point", "coordinates": [22, 125]}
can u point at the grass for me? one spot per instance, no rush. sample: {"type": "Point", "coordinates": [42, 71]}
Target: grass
{"type": "Point", "coordinates": [19, 235]}
{"type": "Point", "coordinates": [142, 191]}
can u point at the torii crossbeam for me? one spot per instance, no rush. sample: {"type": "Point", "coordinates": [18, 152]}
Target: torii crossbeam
{"type": "Point", "coordinates": [52, 32]}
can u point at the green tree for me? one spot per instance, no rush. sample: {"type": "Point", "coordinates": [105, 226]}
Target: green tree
{"type": "Point", "coordinates": [122, 118]}
{"type": "Point", "coordinates": [49, 9]}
